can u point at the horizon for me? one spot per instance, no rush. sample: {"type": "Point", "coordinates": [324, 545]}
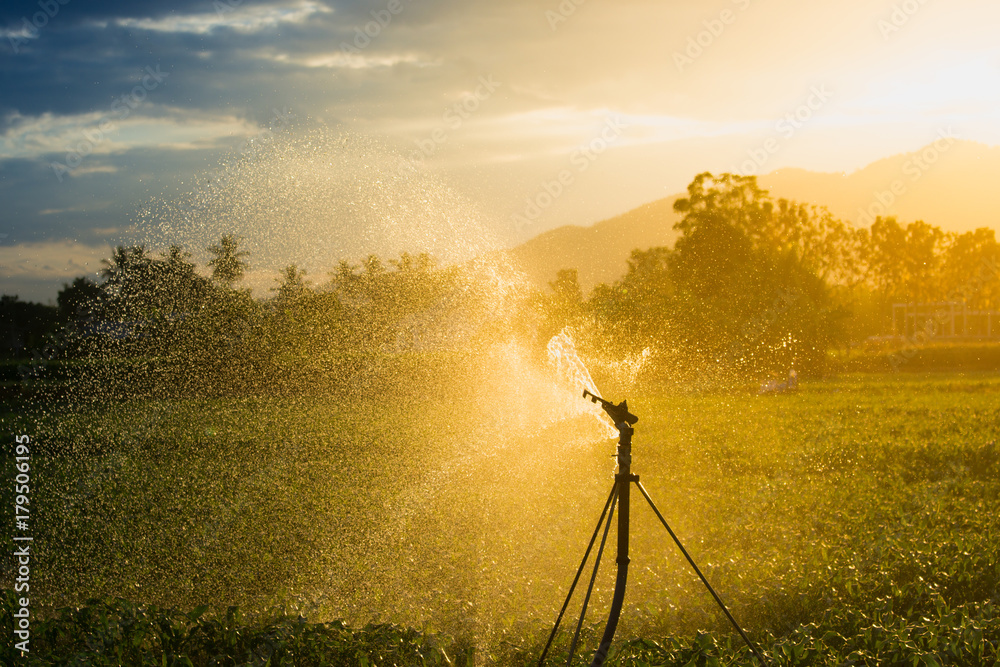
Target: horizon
{"type": "Point", "coordinates": [261, 281]}
{"type": "Point", "coordinates": [530, 117]}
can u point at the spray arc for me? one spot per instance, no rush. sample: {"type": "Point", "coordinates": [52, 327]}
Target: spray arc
{"type": "Point", "coordinates": [623, 420]}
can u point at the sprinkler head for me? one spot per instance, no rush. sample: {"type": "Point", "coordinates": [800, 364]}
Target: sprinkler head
{"type": "Point", "coordinates": [618, 413]}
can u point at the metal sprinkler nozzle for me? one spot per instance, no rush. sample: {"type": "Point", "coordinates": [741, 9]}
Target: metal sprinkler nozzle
{"type": "Point", "coordinates": [618, 413]}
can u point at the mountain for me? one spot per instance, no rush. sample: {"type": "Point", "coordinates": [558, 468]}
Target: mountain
{"type": "Point", "coordinates": [600, 252]}
{"type": "Point", "coordinates": [950, 183]}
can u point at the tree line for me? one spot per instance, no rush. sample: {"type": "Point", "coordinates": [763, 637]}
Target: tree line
{"type": "Point", "coordinates": [155, 323]}
{"type": "Point", "coordinates": [751, 285]}
{"type": "Point", "coordinates": [756, 284]}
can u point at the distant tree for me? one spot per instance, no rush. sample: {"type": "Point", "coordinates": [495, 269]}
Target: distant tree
{"type": "Point", "coordinates": [887, 258]}
{"type": "Point", "coordinates": [25, 327]}
{"type": "Point", "coordinates": [970, 269]}
{"type": "Point", "coordinates": [720, 219]}
{"type": "Point", "coordinates": [408, 264]}
{"type": "Point", "coordinates": [736, 201]}
{"type": "Point", "coordinates": [373, 265]}
{"type": "Point", "coordinates": [79, 300]}
{"type": "Point", "coordinates": [176, 260]}
{"type": "Point", "coordinates": [830, 248]}
{"type": "Point", "coordinates": [127, 273]}
{"type": "Point", "coordinates": [743, 292]}
{"type": "Point", "coordinates": [414, 284]}
{"type": "Point", "coordinates": [921, 262]}
{"type": "Point", "coordinates": [566, 287]}
{"type": "Point", "coordinates": [140, 287]}
{"type": "Point", "coordinates": [371, 277]}
{"type": "Point", "coordinates": [636, 311]}
{"type": "Point", "coordinates": [228, 261]}
{"type": "Point", "coordinates": [344, 281]}
{"type": "Point", "coordinates": [292, 285]}
{"type": "Point", "coordinates": [905, 263]}
{"type": "Point", "coordinates": [180, 288]}
{"type": "Point", "coordinates": [375, 302]}
{"type": "Point", "coordinates": [130, 281]}
{"type": "Point", "coordinates": [562, 306]}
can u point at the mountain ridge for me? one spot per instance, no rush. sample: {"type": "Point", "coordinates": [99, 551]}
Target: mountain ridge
{"type": "Point", "coordinates": [950, 183]}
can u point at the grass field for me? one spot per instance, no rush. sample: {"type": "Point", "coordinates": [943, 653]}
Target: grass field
{"type": "Point", "coordinates": [853, 521]}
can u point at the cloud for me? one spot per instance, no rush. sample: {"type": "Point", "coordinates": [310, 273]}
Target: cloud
{"type": "Point", "coordinates": [230, 15]}
{"type": "Point", "coordinates": [348, 60]}
{"type": "Point", "coordinates": [51, 261]}
{"type": "Point", "coordinates": [55, 137]}
{"type": "Point", "coordinates": [231, 63]}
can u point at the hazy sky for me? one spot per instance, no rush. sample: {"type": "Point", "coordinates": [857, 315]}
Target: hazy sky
{"type": "Point", "coordinates": [107, 106]}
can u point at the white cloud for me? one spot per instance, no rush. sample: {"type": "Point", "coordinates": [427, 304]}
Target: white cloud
{"type": "Point", "coordinates": [47, 134]}
{"type": "Point", "coordinates": [345, 60]}
{"type": "Point", "coordinates": [18, 34]}
{"type": "Point", "coordinates": [228, 14]}
{"type": "Point", "coordinates": [52, 260]}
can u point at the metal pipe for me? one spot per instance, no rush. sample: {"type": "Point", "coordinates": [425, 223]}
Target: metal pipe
{"type": "Point", "coordinates": [624, 480]}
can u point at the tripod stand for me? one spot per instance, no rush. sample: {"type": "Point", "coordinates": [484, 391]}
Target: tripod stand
{"type": "Point", "coordinates": [623, 420]}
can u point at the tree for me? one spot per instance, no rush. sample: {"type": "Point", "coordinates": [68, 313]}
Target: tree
{"type": "Point", "coordinates": [176, 260]}
{"type": "Point", "coordinates": [735, 200]}
{"type": "Point", "coordinates": [905, 262]}
{"type": "Point", "coordinates": [25, 327]}
{"type": "Point", "coordinates": [921, 262]}
{"type": "Point", "coordinates": [408, 264]}
{"type": "Point", "coordinates": [414, 284]}
{"type": "Point", "coordinates": [228, 261]}
{"type": "Point", "coordinates": [372, 278]}
{"type": "Point", "coordinates": [887, 258]}
{"type": "Point", "coordinates": [292, 285]}
{"type": "Point", "coordinates": [566, 288]}
{"type": "Point", "coordinates": [636, 311]}
{"type": "Point", "coordinates": [180, 288]}
{"type": "Point", "coordinates": [970, 269]}
{"type": "Point", "coordinates": [376, 303]}
{"type": "Point", "coordinates": [79, 300]}
{"type": "Point", "coordinates": [344, 281]}
{"type": "Point", "coordinates": [563, 305]}
{"type": "Point", "coordinates": [127, 271]}
{"type": "Point", "coordinates": [744, 295]}
{"type": "Point", "coordinates": [129, 282]}
{"type": "Point", "coordinates": [830, 248]}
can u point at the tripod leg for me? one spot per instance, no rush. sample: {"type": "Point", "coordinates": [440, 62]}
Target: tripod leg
{"type": "Point", "coordinates": [579, 571]}
{"type": "Point", "coordinates": [711, 590]}
{"type": "Point", "coordinates": [590, 588]}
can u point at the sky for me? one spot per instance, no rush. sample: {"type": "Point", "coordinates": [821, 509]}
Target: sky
{"type": "Point", "coordinates": [524, 115]}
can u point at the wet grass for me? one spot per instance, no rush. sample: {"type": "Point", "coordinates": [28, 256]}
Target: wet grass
{"type": "Point", "coordinates": [852, 521]}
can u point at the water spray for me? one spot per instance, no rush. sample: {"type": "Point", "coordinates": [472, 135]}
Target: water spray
{"type": "Point", "coordinates": [624, 421]}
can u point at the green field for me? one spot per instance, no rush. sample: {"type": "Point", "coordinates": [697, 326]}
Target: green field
{"type": "Point", "coordinates": [854, 521]}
